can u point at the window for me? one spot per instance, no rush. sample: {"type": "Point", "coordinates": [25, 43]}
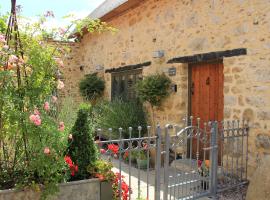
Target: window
{"type": "Point", "coordinates": [123, 84]}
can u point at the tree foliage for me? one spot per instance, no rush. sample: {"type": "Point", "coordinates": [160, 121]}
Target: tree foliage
{"type": "Point", "coordinates": [153, 89]}
{"type": "Point", "coordinates": [92, 86]}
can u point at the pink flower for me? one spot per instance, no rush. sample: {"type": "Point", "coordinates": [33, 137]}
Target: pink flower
{"type": "Point", "coordinates": [102, 151]}
{"type": "Point", "coordinates": [32, 118]}
{"type": "Point", "coordinates": [60, 85]}
{"type": "Point", "coordinates": [5, 47]}
{"type": "Point", "coordinates": [12, 59]}
{"type": "Point", "coordinates": [59, 62]}
{"type": "Point", "coordinates": [46, 106]}
{"type": "Point", "coordinates": [37, 122]}
{"type": "Point", "coordinates": [70, 137]}
{"type": "Point", "coordinates": [61, 126]}
{"type": "Point", "coordinates": [62, 31]}
{"type": "Point", "coordinates": [47, 150]}
{"type": "Point", "coordinates": [2, 38]}
{"type": "Point", "coordinates": [36, 112]}
{"type": "Point", "coordinates": [54, 99]}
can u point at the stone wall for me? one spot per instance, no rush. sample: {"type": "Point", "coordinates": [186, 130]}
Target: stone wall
{"type": "Point", "coordinates": [187, 27]}
{"type": "Point", "coordinates": [83, 190]}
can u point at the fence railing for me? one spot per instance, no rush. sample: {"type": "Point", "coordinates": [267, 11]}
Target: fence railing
{"type": "Point", "coordinates": [189, 162]}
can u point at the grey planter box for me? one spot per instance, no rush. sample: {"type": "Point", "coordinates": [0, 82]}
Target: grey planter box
{"type": "Point", "coordinates": [77, 190]}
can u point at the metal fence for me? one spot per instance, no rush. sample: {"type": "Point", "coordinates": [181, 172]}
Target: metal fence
{"type": "Point", "coordinates": [174, 162]}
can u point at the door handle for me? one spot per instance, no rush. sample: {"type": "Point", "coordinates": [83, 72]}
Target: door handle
{"type": "Point", "coordinates": [208, 81]}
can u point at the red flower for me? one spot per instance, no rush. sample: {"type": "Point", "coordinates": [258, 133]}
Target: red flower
{"type": "Point", "coordinates": [199, 163]}
{"type": "Point", "coordinates": [100, 177]}
{"type": "Point", "coordinates": [72, 167]}
{"type": "Point", "coordinates": [102, 151]}
{"type": "Point", "coordinates": [114, 148]}
{"type": "Point", "coordinates": [125, 155]}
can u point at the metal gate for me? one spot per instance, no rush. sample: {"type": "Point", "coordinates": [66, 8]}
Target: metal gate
{"type": "Point", "coordinates": [190, 162]}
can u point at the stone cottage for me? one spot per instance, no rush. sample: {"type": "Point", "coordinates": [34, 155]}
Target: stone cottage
{"type": "Point", "coordinates": [217, 54]}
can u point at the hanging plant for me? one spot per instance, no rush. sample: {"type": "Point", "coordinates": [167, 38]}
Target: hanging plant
{"type": "Point", "coordinates": [92, 86]}
{"type": "Point", "coordinates": [154, 89]}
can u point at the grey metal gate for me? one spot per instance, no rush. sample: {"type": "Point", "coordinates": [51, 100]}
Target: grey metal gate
{"type": "Point", "coordinates": [189, 162]}
{"type": "Point", "coordinates": [212, 158]}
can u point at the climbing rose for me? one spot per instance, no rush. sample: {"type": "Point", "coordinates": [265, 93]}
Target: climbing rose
{"type": "Point", "coordinates": [59, 62]}
{"type": "Point", "coordinates": [46, 106]}
{"type": "Point", "coordinates": [2, 38]}
{"type": "Point", "coordinates": [36, 112]}
{"type": "Point", "coordinates": [61, 126]}
{"type": "Point", "coordinates": [60, 85]}
{"type": "Point", "coordinates": [34, 118]}
{"type": "Point", "coordinates": [62, 31]}
{"type": "Point", "coordinates": [12, 59]}
{"type": "Point", "coordinates": [5, 47]}
{"type": "Point", "coordinates": [47, 150]}
{"type": "Point", "coordinates": [54, 99]}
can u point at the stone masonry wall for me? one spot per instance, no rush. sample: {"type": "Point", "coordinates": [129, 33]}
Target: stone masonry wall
{"type": "Point", "coordinates": [188, 27]}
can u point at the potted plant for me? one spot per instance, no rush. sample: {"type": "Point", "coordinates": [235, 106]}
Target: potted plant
{"type": "Point", "coordinates": [203, 169]}
{"type": "Point", "coordinates": [142, 160]}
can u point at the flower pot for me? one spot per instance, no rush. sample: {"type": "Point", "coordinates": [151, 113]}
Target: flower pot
{"type": "Point", "coordinates": [142, 164]}
{"type": "Point", "coordinates": [106, 192]}
{"type": "Point", "coordinates": [76, 190]}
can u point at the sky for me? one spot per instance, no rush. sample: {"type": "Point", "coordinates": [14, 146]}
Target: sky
{"type": "Point", "coordinates": [32, 8]}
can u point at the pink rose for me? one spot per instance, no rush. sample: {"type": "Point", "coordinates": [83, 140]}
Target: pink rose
{"type": "Point", "coordinates": [54, 99]}
{"type": "Point", "coordinates": [32, 118]}
{"type": "Point", "coordinates": [36, 112]}
{"type": "Point", "coordinates": [60, 85]}
{"type": "Point", "coordinates": [59, 62]}
{"type": "Point", "coordinates": [46, 106]}
{"type": "Point", "coordinates": [47, 150]}
{"type": "Point", "coordinates": [2, 38]}
{"type": "Point", "coordinates": [37, 122]}
{"type": "Point", "coordinates": [62, 31]}
{"type": "Point", "coordinates": [12, 59]}
{"type": "Point", "coordinates": [5, 47]}
{"type": "Point", "coordinates": [61, 126]}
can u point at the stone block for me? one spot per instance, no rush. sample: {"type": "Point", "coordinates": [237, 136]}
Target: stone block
{"type": "Point", "coordinates": [256, 101]}
{"type": "Point", "coordinates": [263, 115]}
{"type": "Point", "coordinates": [260, 181]}
{"type": "Point", "coordinates": [230, 100]}
{"type": "Point", "coordinates": [263, 141]}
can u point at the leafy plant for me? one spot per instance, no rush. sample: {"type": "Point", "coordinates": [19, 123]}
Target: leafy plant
{"type": "Point", "coordinates": [92, 86]}
{"type": "Point", "coordinates": [118, 114]}
{"type": "Point", "coordinates": [103, 170]}
{"type": "Point", "coordinates": [153, 89]}
{"type": "Point", "coordinates": [82, 149]}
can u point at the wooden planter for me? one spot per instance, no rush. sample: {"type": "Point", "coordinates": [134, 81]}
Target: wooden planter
{"type": "Point", "coordinates": [77, 190]}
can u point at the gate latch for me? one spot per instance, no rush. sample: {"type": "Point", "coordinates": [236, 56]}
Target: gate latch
{"type": "Point", "coordinates": [209, 148]}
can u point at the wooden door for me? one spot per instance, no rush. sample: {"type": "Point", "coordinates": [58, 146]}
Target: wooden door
{"type": "Point", "coordinates": [207, 99]}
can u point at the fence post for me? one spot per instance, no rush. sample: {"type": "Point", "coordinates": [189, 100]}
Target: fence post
{"type": "Point", "coordinates": [166, 162]}
{"type": "Point", "coordinates": [158, 163]}
{"type": "Point", "coordinates": [214, 159]}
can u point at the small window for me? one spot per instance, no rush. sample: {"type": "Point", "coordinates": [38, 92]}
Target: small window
{"type": "Point", "coordinates": [123, 84]}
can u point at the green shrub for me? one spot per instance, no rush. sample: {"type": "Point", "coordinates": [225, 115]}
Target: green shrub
{"type": "Point", "coordinates": [82, 149]}
{"type": "Point", "coordinates": [92, 86]}
{"type": "Point", "coordinates": [153, 89]}
{"type": "Point", "coordinates": [118, 114]}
